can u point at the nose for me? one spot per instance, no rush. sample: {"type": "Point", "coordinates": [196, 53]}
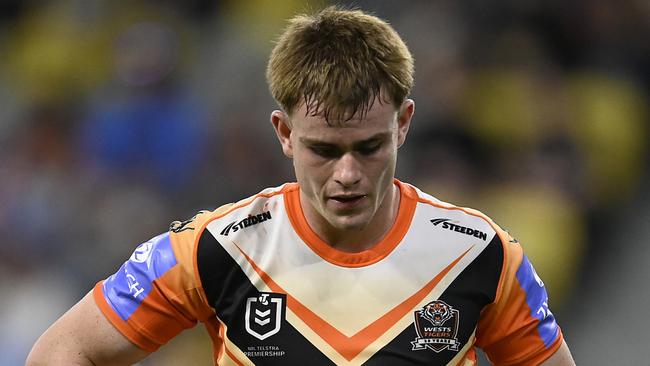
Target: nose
{"type": "Point", "coordinates": [347, 171]}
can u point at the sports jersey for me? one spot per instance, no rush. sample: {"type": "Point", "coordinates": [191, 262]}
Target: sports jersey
{"type": "Point", "coordinates": [442, 281]}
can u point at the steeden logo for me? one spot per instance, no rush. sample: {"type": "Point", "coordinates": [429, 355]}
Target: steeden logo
{"type": "Point", "coordinates": [244, 223]}
{"type": "Point", "coordinates": [447, 224]}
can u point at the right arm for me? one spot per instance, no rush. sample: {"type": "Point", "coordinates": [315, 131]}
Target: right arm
{"type": "Point", "coordinates": [148, 301]}
{"type": "Point", "coordinates": [83, 336]}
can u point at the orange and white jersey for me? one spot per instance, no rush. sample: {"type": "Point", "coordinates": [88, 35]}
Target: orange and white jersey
{"type": "Point", "coordinates": [443, 281]}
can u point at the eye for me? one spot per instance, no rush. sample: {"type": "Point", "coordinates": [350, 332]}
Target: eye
{"type": "Point", "coordinates": [325, 151]}
{"type": "Point", "coordinates": [369, 149]}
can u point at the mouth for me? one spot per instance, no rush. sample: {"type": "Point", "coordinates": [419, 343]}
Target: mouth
{"type": "Point", "coordinates": [347, 200]}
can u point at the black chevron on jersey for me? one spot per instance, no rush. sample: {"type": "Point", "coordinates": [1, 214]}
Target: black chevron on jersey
{"type": "Point", "coordinates": [227, 288]}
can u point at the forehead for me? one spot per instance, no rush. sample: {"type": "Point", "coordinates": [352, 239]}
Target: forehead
{"type": "Point", "coordinates": [381, 117]}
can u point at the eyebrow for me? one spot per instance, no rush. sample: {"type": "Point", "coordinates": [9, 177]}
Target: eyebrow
{"type": "Point", "coordinates": [381, 136]}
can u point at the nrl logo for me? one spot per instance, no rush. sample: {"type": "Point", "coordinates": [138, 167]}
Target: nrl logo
{"type": "Point", "coordinates": [264, 314]}
{"type": "Point", "coordinates": [436, 325]}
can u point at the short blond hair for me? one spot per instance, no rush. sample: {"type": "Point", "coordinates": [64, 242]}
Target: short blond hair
{"type": "Point", "coordinates": [338, 61]}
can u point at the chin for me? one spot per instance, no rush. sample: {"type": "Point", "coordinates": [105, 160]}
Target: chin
{"type": "Point", "coordinates": [349, 223]}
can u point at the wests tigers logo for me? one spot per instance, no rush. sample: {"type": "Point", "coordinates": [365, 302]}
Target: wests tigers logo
{"type": "Point", "coordinates": [436, 325]}
{"type": "Point", "coordinates": [437, 312]}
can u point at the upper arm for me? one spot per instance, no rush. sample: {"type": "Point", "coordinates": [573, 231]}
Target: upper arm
{"type": "Point", "coordinates": [519, 326]}
{"type": "Point", "coordinates": [151, 298]}
{"type": "Point", "coordinates": [561, 357]}
{"type": "Point", "coordinates": [154, 295]}
{"type": "Point", "coordinates": [83, 336]}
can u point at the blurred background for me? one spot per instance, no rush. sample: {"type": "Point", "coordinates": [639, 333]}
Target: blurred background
{"type": "Point", "coordinates": [119, 117]}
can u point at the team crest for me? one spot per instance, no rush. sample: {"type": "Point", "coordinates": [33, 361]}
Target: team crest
{"type": "Point", "coordinates": [436, 325]}
{"type": "Point", "coordinates": [264, 314]}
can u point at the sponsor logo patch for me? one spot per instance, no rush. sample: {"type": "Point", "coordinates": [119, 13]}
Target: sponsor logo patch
{"type": "Point", "coordinates": [142, 252]}
{"type": "Point", "coordinates": [436, 325]}
{"type": "Point", "coordinates": [447, 224]}
{"type": "Point", "coordinates": [264, 314]}
{"type": "Point", "coordinates": [131, 284]}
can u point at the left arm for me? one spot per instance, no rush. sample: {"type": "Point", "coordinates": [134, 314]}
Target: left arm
{"type": "Point", "coordinates": [561, 357]}
{"type": "Point", "coordinates": [518, 327]}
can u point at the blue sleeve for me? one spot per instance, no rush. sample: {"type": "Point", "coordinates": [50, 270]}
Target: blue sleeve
{"type": "Point", "coordinates": [537, 300]}
{"type": "Point", "coordinates": [129, 286]}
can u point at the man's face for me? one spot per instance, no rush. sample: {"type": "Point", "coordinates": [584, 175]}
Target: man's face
{"type": "Point", "coordinates": [345, 170]}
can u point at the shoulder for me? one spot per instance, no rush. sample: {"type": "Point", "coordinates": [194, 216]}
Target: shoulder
{"type": "Point", "coordinates": [463, 220]}
{"type": "Point", "coordinates": [197, 236]}
{"type": "Point", "coordinates": [495, 249]}
{"type": "Point", "coordinates": [502, 252]}
{"type": "Point", "coordinates": [215, 236]}
{"type": "Point", "coordinates": [187, 233]}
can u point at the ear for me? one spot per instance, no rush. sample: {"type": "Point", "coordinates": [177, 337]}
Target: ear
{"type": "Point", "coordinates": [404, 116]}
{"type": "Point", "coordinates": [282, 127]}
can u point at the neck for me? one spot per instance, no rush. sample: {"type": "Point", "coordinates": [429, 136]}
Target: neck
{"type": "Point", "coordinates": [353, 241]}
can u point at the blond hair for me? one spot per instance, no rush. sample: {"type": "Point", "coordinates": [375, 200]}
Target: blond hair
{"type": "Point", "coordinates": [338, 62]}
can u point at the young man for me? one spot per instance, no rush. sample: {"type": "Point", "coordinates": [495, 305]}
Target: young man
{"type": "Point", "coordinates": [348, 265]}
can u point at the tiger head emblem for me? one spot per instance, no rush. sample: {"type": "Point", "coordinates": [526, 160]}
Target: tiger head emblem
{"type": "Point", "coordinates": [437, 312]}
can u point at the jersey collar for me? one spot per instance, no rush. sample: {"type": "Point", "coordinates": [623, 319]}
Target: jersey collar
{"type": "Point", "coordinates": [408, 201]}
